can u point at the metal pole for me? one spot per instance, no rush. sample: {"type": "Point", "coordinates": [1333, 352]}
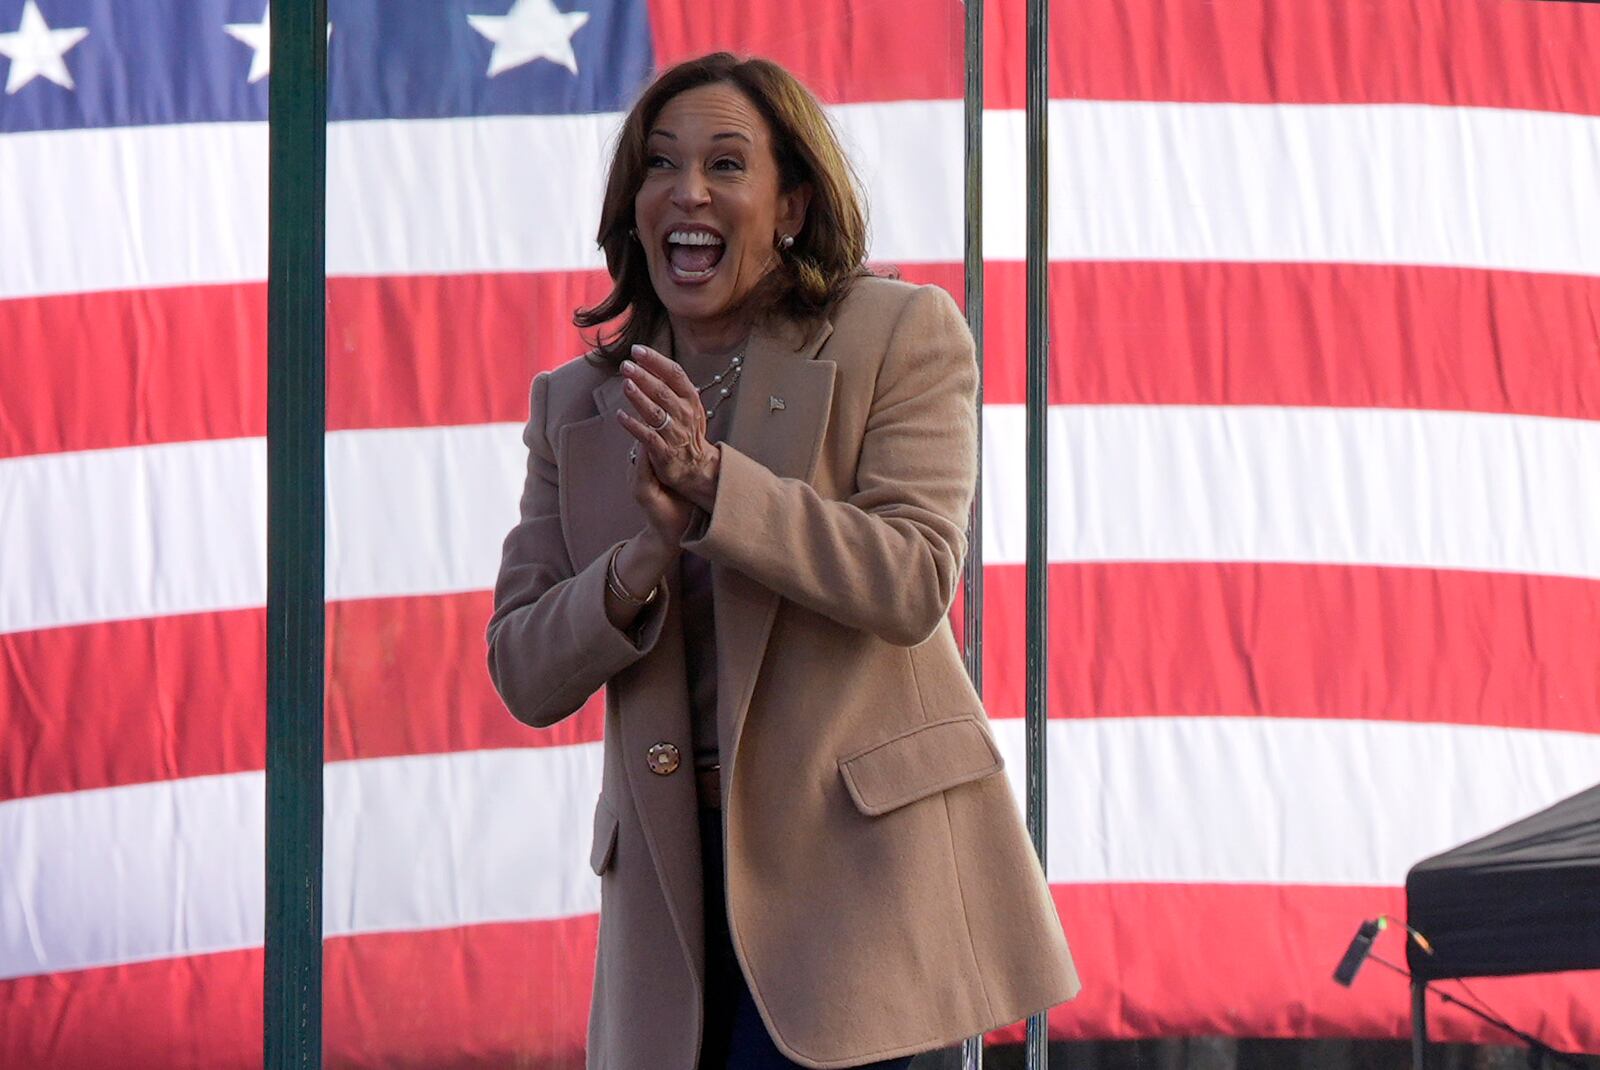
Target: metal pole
{"type": "Point", "coordinates": [296, 411]}
{"type": "Point", "coordinates": [1419, 1024]}
{"type": "Point", "coordinates": [1038, 375]}
{"type": "Point", "coordinates": [972, 577]}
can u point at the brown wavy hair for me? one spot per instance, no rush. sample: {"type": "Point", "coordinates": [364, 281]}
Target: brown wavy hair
{"type": "Point", "coordinates": [829, 251]}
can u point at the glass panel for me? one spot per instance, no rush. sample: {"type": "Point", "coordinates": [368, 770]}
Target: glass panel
{"type": "Point", "coordinates": [469, 146]}
{"type": "Point", "coordinates": [132, 535]}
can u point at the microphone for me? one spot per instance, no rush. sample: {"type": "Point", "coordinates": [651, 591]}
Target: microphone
{"type": "Point", "coordinates": [1357, 952]}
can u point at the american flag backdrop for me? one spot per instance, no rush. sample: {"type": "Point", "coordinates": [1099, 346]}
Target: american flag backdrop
{"type": "Point", "coordinates": [1325, 502]}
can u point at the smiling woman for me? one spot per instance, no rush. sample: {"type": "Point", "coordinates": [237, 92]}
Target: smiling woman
{"type": "Point", "coordinates": [744, 517]}
{"type": "Point", "coordinates": [742, 153]}
{"type": "Point", "coordinates": [710, 200]}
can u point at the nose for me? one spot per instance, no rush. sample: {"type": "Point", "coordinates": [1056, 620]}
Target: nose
{"type": "Point", "coordinates": [690, 190]}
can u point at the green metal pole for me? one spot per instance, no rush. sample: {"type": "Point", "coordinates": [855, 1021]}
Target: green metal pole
{"type": "Point", "coordinates": [1038, 376]}
{"type": "Point", "coordinates": [972, 578]}
{"type": "Point", "coordinates": [296, 410]}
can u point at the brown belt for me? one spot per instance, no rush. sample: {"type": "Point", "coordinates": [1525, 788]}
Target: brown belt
{"type": "Point", "coordinates": [708, 785]}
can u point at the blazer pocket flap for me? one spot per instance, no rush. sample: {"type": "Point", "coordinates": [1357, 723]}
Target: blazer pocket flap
{"type": "Point", "coordinates": [913, 765]}
{"type": "Point", "coordinates": [605, 837]}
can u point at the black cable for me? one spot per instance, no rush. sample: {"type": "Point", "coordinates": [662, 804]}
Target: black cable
{"type": "Point", "coordinates": [1533, 1042]}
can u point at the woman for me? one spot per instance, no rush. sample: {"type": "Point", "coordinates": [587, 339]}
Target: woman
{"type": "Point", "coordinates": [744, 517]}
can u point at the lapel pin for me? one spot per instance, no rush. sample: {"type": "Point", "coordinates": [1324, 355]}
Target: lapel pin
{"type": "Point", "coordinates": [774, 403]}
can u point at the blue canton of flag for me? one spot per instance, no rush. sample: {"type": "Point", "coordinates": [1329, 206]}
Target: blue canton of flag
{"type": "Point", "coordinates": [70, 64]}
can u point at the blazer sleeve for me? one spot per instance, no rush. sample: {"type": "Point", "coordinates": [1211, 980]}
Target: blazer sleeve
{"type": "Point", "coordinates": [551, 644]}
{"type": "Point", "coordinates": [887, 558]}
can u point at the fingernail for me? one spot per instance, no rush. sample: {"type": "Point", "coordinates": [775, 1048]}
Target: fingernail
{"type": "Point", "coordinates": [638, 351]}
{"type": "Point", "coordinates": [629, 366]}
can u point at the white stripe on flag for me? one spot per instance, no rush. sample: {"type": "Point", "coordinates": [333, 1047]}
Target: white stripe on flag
{"type": "Point", "coordinates": [1400, 487]}
{"type": "Point", "coordinates": [457, 839]}
{"type": "Point", "coordinates": [1252, 800]}
{"type": "Point", "coordinates": [157, 530]}
{"type": "Point", "coordinates": [130, 208]}
{"type": "Point", "coordinates": [410, 843]}
{"type": "Point", "coordinates": [1371, 183]}
{"type": "Point", "coordinates": [1388, 184]}
{"type": "Point", "coordinates": [136, 532]}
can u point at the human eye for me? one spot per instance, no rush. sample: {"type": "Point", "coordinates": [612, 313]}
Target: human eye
{"type": "Point", "coordinates": [733, 164]}
{"type": "Point", "coordinates": [656, 160]}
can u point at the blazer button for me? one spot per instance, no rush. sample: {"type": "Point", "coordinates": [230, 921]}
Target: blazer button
{"type": "Point", "coordinates": [663, 759]}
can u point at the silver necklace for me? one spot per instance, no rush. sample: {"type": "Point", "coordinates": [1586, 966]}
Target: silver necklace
{"type": "Point", "coordinates": [727, 379]}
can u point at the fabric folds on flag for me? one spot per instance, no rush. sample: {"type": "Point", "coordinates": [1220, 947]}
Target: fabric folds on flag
{"type": "Point", "coordinates": [1325, 422]}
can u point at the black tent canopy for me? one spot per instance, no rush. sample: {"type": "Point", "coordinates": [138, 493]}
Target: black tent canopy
{"type": "Point", "coordinates": [1523, 899]}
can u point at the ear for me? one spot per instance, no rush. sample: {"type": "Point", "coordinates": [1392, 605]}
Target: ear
{"type": "Point", "coordinates": [792, 209]}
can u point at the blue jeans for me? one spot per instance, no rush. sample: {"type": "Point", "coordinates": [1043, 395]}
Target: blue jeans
{"type": "Point", "coordinates": [735, 1036]}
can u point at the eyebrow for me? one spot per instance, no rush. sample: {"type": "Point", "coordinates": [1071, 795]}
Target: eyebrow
{"type": "Point", "coordinates": [723, 136]}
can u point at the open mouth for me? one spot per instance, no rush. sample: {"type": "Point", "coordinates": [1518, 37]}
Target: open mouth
{"type": "Point", "coordinates": [693, 252]}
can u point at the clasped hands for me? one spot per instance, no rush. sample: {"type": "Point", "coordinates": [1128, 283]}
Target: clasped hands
{"type": "Point", "coordinates": [675, 466]}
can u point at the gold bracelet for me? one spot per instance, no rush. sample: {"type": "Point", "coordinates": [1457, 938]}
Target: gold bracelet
{"type": "Point", "coordinates": [614, 584]}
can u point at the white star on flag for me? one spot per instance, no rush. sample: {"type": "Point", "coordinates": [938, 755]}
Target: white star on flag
{"type": "Point", "coordinates": [258, 35]}
{"type": "Point", "coordinates": [35, 49]}
{"type": "Point", "coordinates": [532, 29]}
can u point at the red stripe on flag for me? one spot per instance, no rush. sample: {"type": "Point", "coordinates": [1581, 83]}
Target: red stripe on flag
{"type": "Point", "coordinates": [102, 370]}
{"type": "Point", "coordinates": [500, 995]}
{"type": "Point", "coordinates": [1157, 960]}
{"type": "Point", "coordinates": [133, 701]}
{"type": "Point", "coordinates": [1250, 639]}
{"type": "Point", "coordinates": [436, 351]}
{"type": "Point", "coordinates": [1344, 335]}
{"type": "Point", "coordinates": [203, 1011]}
{"type": "Point", "coordinates": [431, 350]}
{"type": "Point", "coordinates": [845, 52]}
{"type": "Point", "coordinates": [132, 368]}
{"type": "Point", "coordinates": [506, 994]}
{"type": "Point", "coordinates": [408, 676]}
{"type": "Point", "coordinates": [1476, 53]}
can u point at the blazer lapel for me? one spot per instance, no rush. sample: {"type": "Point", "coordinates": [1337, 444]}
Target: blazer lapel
{"type": "Point", "coordinates": [597, 507]}
{"type": "Point", "coordinates": [597, 512]}
{"type": "Point", "coordinates": [785, 397]}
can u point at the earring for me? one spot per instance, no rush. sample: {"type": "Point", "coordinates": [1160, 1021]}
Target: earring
{"type": "Point", "coordinates": [786, 242]}
{"type": "Point", "coordinates": [633, 232]}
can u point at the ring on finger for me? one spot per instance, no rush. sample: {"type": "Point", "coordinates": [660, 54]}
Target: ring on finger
{"type": "Point", "coordinates": [666, 421]}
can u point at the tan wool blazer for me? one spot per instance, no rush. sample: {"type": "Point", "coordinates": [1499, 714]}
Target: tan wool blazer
{"type": "Point", "coordinates": [882, 893]}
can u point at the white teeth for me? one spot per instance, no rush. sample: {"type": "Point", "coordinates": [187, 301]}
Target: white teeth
{"type": "Point", "coordinates": [693, 237]}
